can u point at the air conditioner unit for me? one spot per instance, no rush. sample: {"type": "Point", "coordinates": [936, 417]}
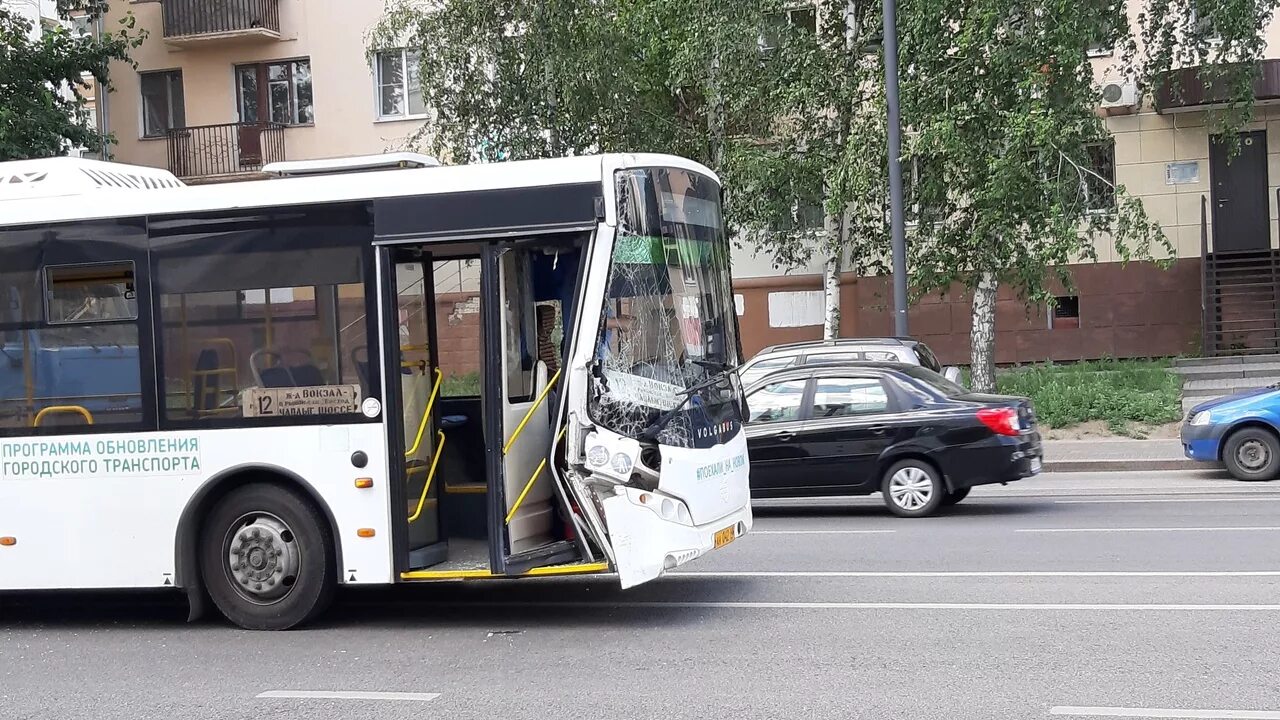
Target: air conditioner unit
{"type": "Point", "coordinates": [1117, 94]}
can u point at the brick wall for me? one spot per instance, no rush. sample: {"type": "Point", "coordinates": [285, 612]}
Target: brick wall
{"type": "Point", "coordinates": [1134, 310]}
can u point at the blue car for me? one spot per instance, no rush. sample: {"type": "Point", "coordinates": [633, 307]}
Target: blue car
{"type": "Point", "coordinates": [1242, 431]}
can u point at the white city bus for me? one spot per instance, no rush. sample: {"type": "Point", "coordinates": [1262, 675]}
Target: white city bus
{"type": "Point", "coordinates": [251, 391]}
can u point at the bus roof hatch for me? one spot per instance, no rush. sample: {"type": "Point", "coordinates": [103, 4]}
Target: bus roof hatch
{"type": "Point", "coordinates": [64, 176]}
{"type": "Point", "coordinates": [353, 164]}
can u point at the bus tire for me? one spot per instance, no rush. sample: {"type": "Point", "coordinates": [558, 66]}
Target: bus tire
{"type": "Point", "coordinates": [266, 557]}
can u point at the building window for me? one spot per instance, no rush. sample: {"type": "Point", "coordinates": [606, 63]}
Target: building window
{"type": "Point", "coordinates": [1066, 312]}
{"type": "Point", "coordinates": [1099, 50]}
{"type": "Point", "coordinates": [278, 92]}
{"type": "Point", "coordinates": [801, 18]}
{"type": "Point", "coordinates": [803, 215]}
{"type": "Point", "coordinates": [1099, 186]}
{"type": "Point", "coordinates": [162, 105]}
{"type": "Point", "coordinates": [399, 86]}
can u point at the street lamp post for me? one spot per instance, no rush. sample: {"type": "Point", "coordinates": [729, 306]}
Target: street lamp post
{"type": "Point", "coordinates": [896, 228]}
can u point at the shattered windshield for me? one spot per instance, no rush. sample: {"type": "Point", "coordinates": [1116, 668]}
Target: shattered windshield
{"type": "Point", "coordinates": [667, 339]}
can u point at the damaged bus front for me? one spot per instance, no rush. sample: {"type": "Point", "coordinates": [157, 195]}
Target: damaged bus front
{"type": "Point", "coordinates": [657, 455]}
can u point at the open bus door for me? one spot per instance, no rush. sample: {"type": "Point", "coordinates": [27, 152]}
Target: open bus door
{"type": "Point", "coordinates": [532, 508]}
{"type": "Point", "coordinates": [413, 386]}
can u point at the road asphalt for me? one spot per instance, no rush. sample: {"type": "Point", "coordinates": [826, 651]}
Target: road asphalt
{"type": "Point", "coordinates": [1075, 595]}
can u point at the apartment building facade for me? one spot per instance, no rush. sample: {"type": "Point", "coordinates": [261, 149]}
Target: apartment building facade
{"type": "Point", "coordinates": [1221, 295]}
{"type": "Point", "coordinates": [222, 88]}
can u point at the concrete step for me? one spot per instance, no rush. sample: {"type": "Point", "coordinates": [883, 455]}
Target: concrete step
{"type": "Point", "coordinates": [1225, 360]}
{"type": "Point", "coordinates": [1228, 384]}
{"type": "Point", "coordinates": [1238, 371]}
{"type": "Point", "coordinates": [1208, 393]}
{"type": "Point", "coordinates": [1196, 397]}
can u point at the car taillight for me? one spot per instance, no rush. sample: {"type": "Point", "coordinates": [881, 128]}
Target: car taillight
{"type": "Point", "coordinates": [1002, 421]}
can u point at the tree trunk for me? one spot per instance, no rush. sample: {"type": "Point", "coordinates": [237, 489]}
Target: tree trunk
{"type": "Point", "coordinates": [831, 284]}
{"type": "Point", "coordinates": [715, 116]}
{"type": "Point", "coordinates": [982, 337]}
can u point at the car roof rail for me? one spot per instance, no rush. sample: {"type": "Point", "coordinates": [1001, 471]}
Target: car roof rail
{"type": "Point", "coordinates": [838, 342]}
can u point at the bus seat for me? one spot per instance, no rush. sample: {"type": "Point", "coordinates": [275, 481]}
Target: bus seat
{"type": "Point", "coordinates": [205, 383]}
{"type": "Point", "coordinates": [275, 377]}
{"type": "Point", "coordinates": [306, 376]}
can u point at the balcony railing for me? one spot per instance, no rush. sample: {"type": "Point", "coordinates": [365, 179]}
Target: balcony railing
{"type": "Point", "coordinates": [212, 151]}
{"type": "Point", "coordinates": [204, 20]}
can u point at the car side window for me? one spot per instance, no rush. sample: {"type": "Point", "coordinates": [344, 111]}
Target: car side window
{"type": "Point", "coordinates": [881, 356]}
{"type": "Point", "coordinates": [927, 358]}
{"type": "Point", "coordinates": [764, 367]}
{"type": "Point", "coordinates": [777, 402]}
{"type": "Point", "coordinates": [845, 397]}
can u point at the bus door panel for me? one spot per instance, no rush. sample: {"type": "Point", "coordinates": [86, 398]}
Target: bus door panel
{"type": "Point", "coordinates": [631, 534]}
{"type": "Point", "coordinates": [415, 384]}
{"type": "Point", "coordinates": [526, 416]}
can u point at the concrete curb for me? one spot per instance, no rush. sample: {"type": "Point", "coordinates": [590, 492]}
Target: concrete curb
{"type": "Point", "coordinates": [1135, 465]}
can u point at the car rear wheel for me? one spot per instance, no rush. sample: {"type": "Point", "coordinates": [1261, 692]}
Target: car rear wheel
{"type": "Point", "coordinates": [913, 488]}
{"type": "Point", "coordinates": [956, 496]}
{"type": "Point", "coordinates": [1252, 453]}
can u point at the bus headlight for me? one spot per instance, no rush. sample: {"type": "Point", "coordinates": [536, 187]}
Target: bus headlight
{"type": "Point", "coordinates": [598, 455]}
{"type": "Point", "coordinates": [622, 464]}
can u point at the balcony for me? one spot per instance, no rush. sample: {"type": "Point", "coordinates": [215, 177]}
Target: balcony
{"type": "Point", "coordinates": [231, 151]}
{"type": "Point", "coordinates": [1197, 88]}
{"type": "Point", "coordinates": [192, 22]}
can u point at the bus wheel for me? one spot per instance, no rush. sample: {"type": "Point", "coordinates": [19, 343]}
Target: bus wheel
{"type": "Point", "coordinates": [265, 558]}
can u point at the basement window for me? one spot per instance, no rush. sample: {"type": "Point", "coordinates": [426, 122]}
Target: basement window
{"type": "Point", "coordinates": [1065, 312]}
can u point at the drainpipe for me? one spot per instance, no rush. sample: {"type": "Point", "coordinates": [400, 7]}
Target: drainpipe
{"type": "Point", "coordinates": [102, 97]}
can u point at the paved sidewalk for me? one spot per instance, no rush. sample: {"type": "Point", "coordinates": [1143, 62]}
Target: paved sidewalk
{"type": "Point", "coordinates": [1116, 455]}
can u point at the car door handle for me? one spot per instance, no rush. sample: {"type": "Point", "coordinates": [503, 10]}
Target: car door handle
{"type": "Point", "coordinates": [879, 429]}
{"type": "Point", "coordinates": [785, 436]}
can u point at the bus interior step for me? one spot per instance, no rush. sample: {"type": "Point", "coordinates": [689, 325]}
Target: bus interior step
{"type": "Point", "coordinates": [556, 553]}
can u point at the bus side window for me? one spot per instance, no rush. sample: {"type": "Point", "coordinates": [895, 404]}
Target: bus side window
{"type": "Point", "coordinates": [71, 360]}
{"type": "Point", "coordinates": [248, 316]}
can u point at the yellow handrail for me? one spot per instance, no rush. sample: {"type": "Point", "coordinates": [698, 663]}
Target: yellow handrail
{"type": "Point", "coordinates": [54, 409]}
{"type": "Point", "coordinates": [536, 404]}
{"type": "Point", "coordinates": [426, 486]}
{"type": "Point", "coordinates": [426, 415]}
{"type": "Point", "coordinates": [529, 485]}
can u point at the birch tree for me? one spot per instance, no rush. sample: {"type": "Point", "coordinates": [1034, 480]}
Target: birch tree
{"type": "Point", "coordinates": [777, 104]}
{"type": "Point", "coordinates": [1000, 105]}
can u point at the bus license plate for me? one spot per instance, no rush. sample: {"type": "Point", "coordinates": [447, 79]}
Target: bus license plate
{"type": "Point", "coordinates": [1035, 466]}
{"type": "Point", "coordinates": [725, 536]}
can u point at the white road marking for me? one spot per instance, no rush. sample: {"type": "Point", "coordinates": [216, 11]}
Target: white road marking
{"type": "Point", "coordinates": [821, 532]}
{"type": "Point", "coordinates": [970, 574]}
{"type": "Point", "coordinates": [1166, 500]}
{"type": "Point", "coordinates": [1166, 713]}
{"type": "Point", "coordinates": [749, 605]}
{"type": "Point", "coordinates": [1225, 528]}
{"type": "Point", "coordinates": [346, 695]}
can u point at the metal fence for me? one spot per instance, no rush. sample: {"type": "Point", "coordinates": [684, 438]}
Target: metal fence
{"type": "Point", "coordinates": [227, 149]}
{"type": "Point", "coordinates": [183, 18]}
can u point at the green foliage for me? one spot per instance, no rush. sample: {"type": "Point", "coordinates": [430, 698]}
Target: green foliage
{"type": "Point", "coordinates": [1117, 392]}
{"type": "Point", "coordinates": [998, 97]}
{"type": "Point", "coordinates": [37, 119]}
{"type": "Point", "coordinates": [523, 79]}
{"type": "Point", "coordinates": [461, 385]}
{"type": "Point", "coordinates": [518, 79]}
